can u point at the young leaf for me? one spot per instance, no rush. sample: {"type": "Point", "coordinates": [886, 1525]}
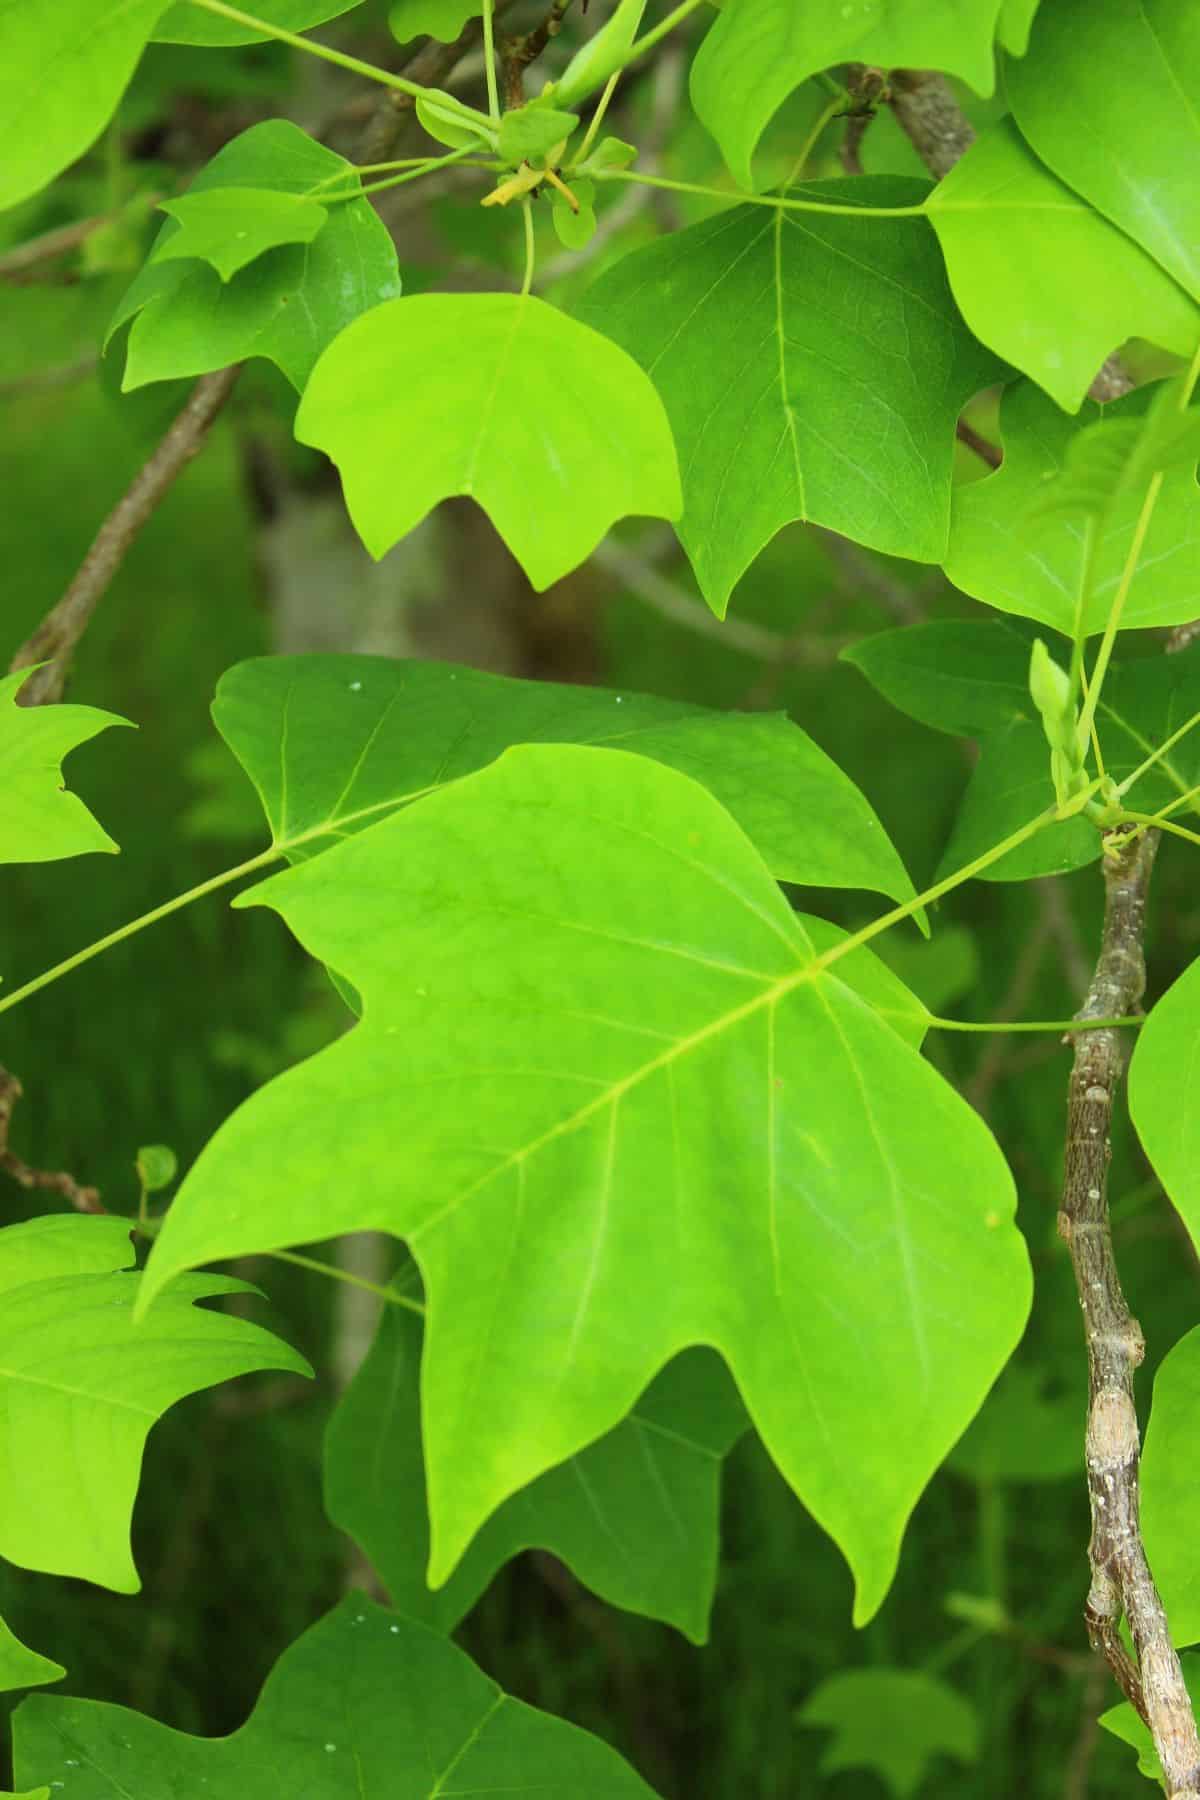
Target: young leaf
{"type": "Point", "coordinates": [635, 1515]}
{"type": "Point", "coordinates": [759, 51]}
{"type": "Point", "coordinates": [290, 302]}
{"type": "Point", "coordinates": [552, 429]}
{"type": "Point", "coordinates": [601, 56]}
{"type": "Point", "coordinates": [183, 23]}
{"type": "Point", "coordinates": [332, 743]}
{"type": "Point", "coordinates": [1129, 146]}
{"type": "Point", "coordinates": [39, 820]}
{"type": "Point", "coordinates": [81, 1385]}
{"type": "Point", "coordinates": [450, 121]}
{"type": "Point", "coordinates": [966, 676]}
{"type": "Point", "coordinates": [1170, 1503]}
{"type": "Point", "coordinates": [782, 406]}
{"type": "Point", "coordinates": [582, 987]}
{"type": "Point", "coordinates": [64, 65]}
{"type": "Point", "coordinates": [532, 131]}
{"type": "Point", "coordinates": [1020, 247]}
{"type": "Point", "coordinates": [230, 227]}
{"type": "Point", "coordinates": [1164, 1094]}
{"type": "Point", "coordinates": [894, 1721]}
{"type": "Point", "coordinates": [1009, 549]}
{"type": "Point", "coordinates": [441, 19]}
{"type": "Point", "coordinates": [21, 1667]}
{"type": "Point", "coordinates": [576, 228]}
{"type": "Point", "coordinates": [365, 1702]}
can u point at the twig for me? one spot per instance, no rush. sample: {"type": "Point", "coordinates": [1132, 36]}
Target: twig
{"type": "Point", "coordinates": [83, 1199]}
{"type": "Point", "coordinates": [1121, 1582]}
{"type": "Point", "coordinates": [866, 86]}
{"type": "Point", "coordinates": [930, 118]}
{"type": "Point", "coordinates": [664, 596]}
{"type": "Point", "coordinates": [986, 451]}
{"type": "Point", "coordinates": [58, 375]}
{"type": "Point", "coordinates": [60, 631]}
{"type": "Point", "coordinates": [17, 262]}
{"type": "Point", "coordinates": [517, 53]}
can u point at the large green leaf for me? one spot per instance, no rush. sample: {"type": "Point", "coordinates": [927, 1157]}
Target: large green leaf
{"type": "Point", "coordinates": [552, 429]}
{"type": "Point", "coordinates": [231, 227]}
{"type": "Point", "coordinates": [1106, 96]}
{"type": "Point", "coordinates": [187, 24]}
{"type": "Point", "coordinates": [442, 19]}
{"type": "Point", "coordinates": [39, 820]}
{"type": "Point", "coordinates": [291, 301]}
{"type": "Point", "coordinates": [1009, 548]}
{"type": "Point", "coordinates": [759, 51]}
{"type": "Point", "coordinates": [813, 367]}
{"type": "Point", "coordinates": [591, 1020]}
{"type": "Point", "coordinates": [81, 1385]}
{"type": "Point", "coordinates": [1164, 1093]}
{"type": "Point", "coordinates": [21, 1667]}
{"type": "Point", "coordinates": [893, 1721]}
{"type": "Point", "coordinates": [334, 742]}
{"type": "Point", "coordinates": [634, 1515]}
{"type": "Point", "coordinates": [1142, 704]}
{"type": "Point", "coordinates": [966, 676]}
{"type": "Point", "coordinates": [1170, 1502]}
{"type": "Point", "coordinates": [1021, 247]}
{"type": "Point", "coordinates": [366, 1702]}
{"type": "Point", "coordinates": [64, 65]}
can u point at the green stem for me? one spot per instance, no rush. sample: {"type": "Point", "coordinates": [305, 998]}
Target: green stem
{"type": "Point", "coordinates": [390, 1294]}
{"type": "Point", "coordinates": [775, 200]}
{"type": "Point", "coordinates": [1189, 794]}
{"type": "Point", "coordinates": [1053, 815]}
{"type": "Point", "coordinates": [356, 67]}
{"type": "Point", "coordinates": [661, 30]}
{"type": "Point", "coordinates": [489, 63]}
{"type": "Point", "coordinates": [589, 136]}
{"type": "Point", "coordinates": [261, 861]}
{"type": "Point", "coordinates": [1161, 823]}
{"type": "Point", "coordinates": [1112, 624]}
{"type": "Point", "coordinates": [1157, 755]}
{"type": "Point", "coordinates": [937, 1024]}
{"type": "Point", "coordinates": [530, 247]}
{"type": "Point", "coordinates": [427, 168]}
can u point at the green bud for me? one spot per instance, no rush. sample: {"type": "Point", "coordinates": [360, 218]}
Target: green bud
{"type": "Point", "coordinates": [1049, 686]}
{"type": "Point", "coordinates": [156, 1167]}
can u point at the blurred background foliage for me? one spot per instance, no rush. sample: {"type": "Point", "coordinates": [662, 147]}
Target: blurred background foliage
{"type": "Point", "coordinates": [159, 1039]}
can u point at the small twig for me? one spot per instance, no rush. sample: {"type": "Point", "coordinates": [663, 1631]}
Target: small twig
{"type": "Point", "coordinates": [987, 452]}
{"type": "Point", "coordinates": [517, 53]}
{"type": "Point", "coordinates": [83, 1199]}
{"type": "Point", "coordinates": [1121, 1582]}
{"type": "Point", "coordinates": [16, 263]}
{"type": "Point", "coordinates": [60, 631]}
{"type": "Point", "coordinates": [58, 375]}
{"type": "Point", "coordinates": [867, 85]}
{"type": "Point", "coordinates": [930, 118]}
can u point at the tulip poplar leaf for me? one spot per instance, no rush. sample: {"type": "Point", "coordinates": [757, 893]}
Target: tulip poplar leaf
{"type": "Point", "coordinates": [21, 1667]}
{"type": "Point", "coordinates": [230, 227]}
{"type": "Point", "coordinates": [895, 1722]}
{"type": "Point", "coordinates": [1170, 1505]}
{"type": "Point", "coordinates": [581, 988]}
{"type": "Point", "coordinates": [555, 431]}
{"type": "Point", "coordinates": [366, 1702]}
{"type": "Point", "coordinates": [813, 366]}
{"type": "Point", "coordinates": [186, 317]}
{"type": "Point", "coordinates": [184, 23]}
{"type": "Point", "coordinates": [333, 743]}
{"type": "Point", "coordinates": [39, 820]}
{"type": "Point", "coordinates": [1164, 1094]}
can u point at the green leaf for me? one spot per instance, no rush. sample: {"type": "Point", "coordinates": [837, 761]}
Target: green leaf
{"type": "Point", "coordinates": [441, 19]}
{"type": "Point", "coordinates": [64, 65]}
{"type": "Point", "coordinates": [533, 130]}
{"type": "Point", "coordinates": [187, 24]}
{"type": "Point", "coordinates": [966, 676]}
{"type": "Point", "coordinates": [291, 302]}
{"type": "Point", "coordinates": [1164, 1094]}
{"type": "Point", "coordinates": [1142, 704]}
{"type": "Point", "coordinates": [81, 1385]}
{"type": "Point", "coordinates": [1131, 145]}
{"type": "Point", "coordinates": [39, 820]}
{"type": "Point", "coordinates": [1021, 247]}
{"type": "Point", "coordinates": [554, 431]}
{"type": "Point", "coordinates": [582, 987]}
{"type": "Point", "coordinates": [365, 1702]}
{"type": "Point", "coordinates": [1170, 1503]}
{"type": "Point", "coordinates": [601, 56]}
{"type": "Point", "coordinates": [634, 1515]}
{"type": "Point", "coordinates": [1014, 25]}
{"type": "Point", "coordinates": [1125, 1724]}
{"type": "Point", "coordinates": [893, 1721]}
{"type": "Point", "coordinates": [332, 743]}
{"type": "Point", "coordinates": [1114, 459]}
{"type": "Point", "coordinates": [759, 51]}
{"type": "Point", "coordinates": [783, 405]}
{"type": "Point", "coordinates": [450, 121]}
{"type": "Point", "coordinates": [576, 228]}
{"type": "Point", "coordinates": [610, 153]}
{"type": "Point", "coordinates": [230, 227]}
{"type": "Point", "coordinates": [1009, 549]}
{"type": "Point", "coordinates": [22, 1668]}
{"type": "Point", "coordinates": [157, 1166]}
